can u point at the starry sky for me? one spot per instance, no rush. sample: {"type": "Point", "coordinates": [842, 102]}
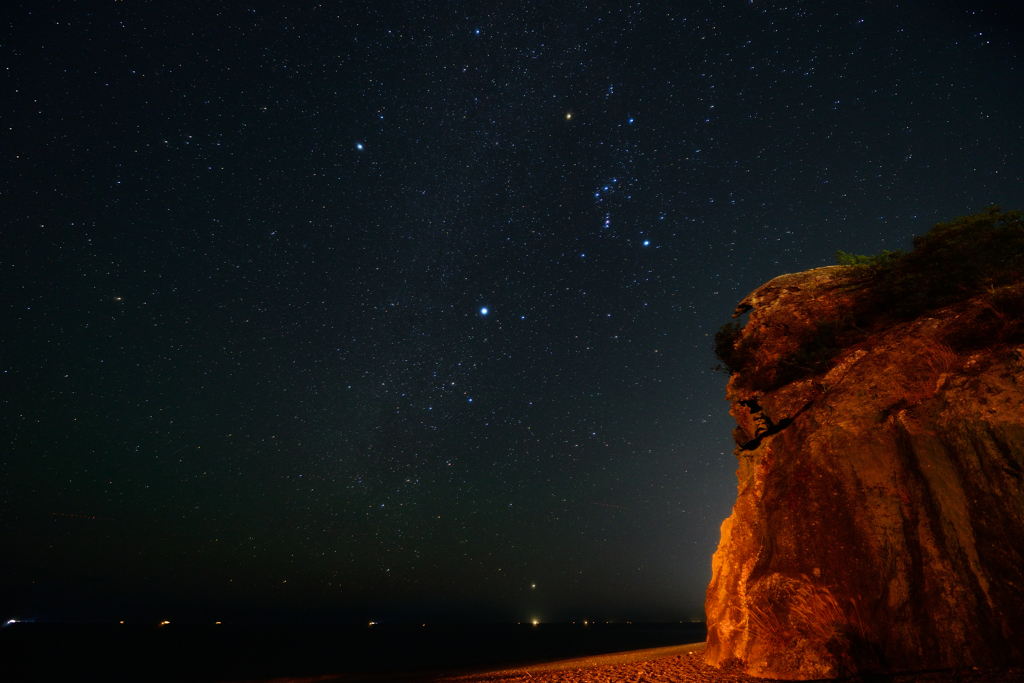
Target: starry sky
{"type": "Point", "coordinates": [403, 310]}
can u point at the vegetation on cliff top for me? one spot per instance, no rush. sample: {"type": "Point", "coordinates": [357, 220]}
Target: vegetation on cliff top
{"type": "Point", "coordinates": [954, 261]}
{"type": "Point", "coordinates": [968, 256]}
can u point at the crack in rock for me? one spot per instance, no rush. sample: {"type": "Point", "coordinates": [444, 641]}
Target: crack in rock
{"type": "Point", "coordinates": [765, 426]}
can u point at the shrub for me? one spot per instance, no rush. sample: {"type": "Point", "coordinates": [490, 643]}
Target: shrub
{"type": "Point", "coordinates": [844, 259]}
{"type": "Point", "coordinates": [952, 262]}
{"type": "Point", "coordinates": [725, 347]}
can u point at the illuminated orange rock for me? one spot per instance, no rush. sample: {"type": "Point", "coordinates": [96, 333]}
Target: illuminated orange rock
{"type": "Point", "coordinates": [879, 523]}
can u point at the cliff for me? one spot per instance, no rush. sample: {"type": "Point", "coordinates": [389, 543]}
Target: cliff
{"type": "Point", "coordinates": [879, 523]}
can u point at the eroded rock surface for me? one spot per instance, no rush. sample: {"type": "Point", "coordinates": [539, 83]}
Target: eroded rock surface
{"type": "Point", "coordinates": [879, 523]}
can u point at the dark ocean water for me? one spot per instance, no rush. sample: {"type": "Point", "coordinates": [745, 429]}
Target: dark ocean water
{"type": "Point", "coordinates": [83, 652]}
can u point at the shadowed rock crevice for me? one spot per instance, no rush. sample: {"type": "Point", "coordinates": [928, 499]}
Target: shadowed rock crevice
{"type": "Point", "coordinates": [765, 426]}
{"type": "Point", "coordinates": [878, 525]}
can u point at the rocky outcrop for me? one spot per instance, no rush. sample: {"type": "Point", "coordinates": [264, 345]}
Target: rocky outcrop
{"type": "Point", "coordinates": [879, 523]}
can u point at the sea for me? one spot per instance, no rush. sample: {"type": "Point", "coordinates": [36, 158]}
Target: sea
{"type": "Point", "coordinates": [378, 652]}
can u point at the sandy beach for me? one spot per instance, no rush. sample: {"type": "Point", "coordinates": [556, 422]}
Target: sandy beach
{"type": "Point", "coordinates": [685, 664]}
{"type": "Point", "coordinates": [676, 664]}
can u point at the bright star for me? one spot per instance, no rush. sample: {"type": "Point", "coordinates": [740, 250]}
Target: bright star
{"type": "Point", "coordinates": [359, 145]}
{"type": "Point", "coordinates": [483, 311]}
{"type": "Point", "coordinates": [646, 243]}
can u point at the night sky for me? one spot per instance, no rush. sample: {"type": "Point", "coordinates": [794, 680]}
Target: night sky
{"type": "Point", "coordinates": [403, 310]}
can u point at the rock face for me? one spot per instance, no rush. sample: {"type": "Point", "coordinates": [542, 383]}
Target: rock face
{"type": "Point", "coordinates": [880, 518]}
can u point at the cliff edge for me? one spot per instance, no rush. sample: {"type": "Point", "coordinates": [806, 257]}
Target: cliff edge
{"type": "Point", "coordinates": [879, 523]}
